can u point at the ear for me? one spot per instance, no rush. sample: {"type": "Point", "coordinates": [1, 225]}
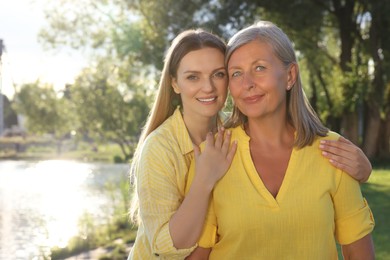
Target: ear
{"type": "Point", "coordinates": [175, 86]}
{"type": "Point", "coordinates": [292, 75]}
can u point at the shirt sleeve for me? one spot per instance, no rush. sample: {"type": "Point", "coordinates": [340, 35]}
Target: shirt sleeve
{"type": "Point", "coordinates": [159, 199]}
{"type": "Point", "coordinates": [353, 216]}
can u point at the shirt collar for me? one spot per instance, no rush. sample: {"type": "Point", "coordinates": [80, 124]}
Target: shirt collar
{"type": "Point", "coordinates": [181, 132]}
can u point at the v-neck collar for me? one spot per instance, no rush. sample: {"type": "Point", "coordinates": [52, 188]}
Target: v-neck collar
{"type": "Point", "coordinates": [253, 175]}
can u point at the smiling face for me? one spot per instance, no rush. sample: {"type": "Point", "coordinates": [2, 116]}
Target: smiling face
{"type": "Point", "coordinates": [201, 82]}
{"type": "Point", "coordinates": [258, 80]}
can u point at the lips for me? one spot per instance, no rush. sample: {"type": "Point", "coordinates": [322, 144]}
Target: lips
{"type": "Point", "coordinates": [253, 99]}
{"type": "Point", "coordinates": [206, 100]}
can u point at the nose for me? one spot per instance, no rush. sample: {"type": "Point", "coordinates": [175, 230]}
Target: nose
{"type": "Point", "coordinates": [208, 86]}
{"type": "Point", "coordinates": [247, 81]}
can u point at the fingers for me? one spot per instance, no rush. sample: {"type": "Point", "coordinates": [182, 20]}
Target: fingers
{"type": "Point", "coordinates": [345, 155]}
{"type": "Point", "coordinates": [345, 140]}
{"type": "Point", "coordinates": [209, 139]}
{"type": "Point", "coordinates": [232, 151]}
{"type": "Point", "coordinates": [334, 146]}
{"type": "Point", "coordinates": [220, 137]}
{"type": "Point", "coordinates": [339, 158]}
{"type": "Point", "coordinates": [226, 142]}
{"type": "Point", "coordinates": [342, 166]}
{"type": "Point", "coordinates": [221, 144]}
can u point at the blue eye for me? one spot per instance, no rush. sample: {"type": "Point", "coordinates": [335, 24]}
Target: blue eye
{"type": "Point", "coordinates": [259, 68]}
{"type": "Point", "coordinates": [236, 74]}
{"type": "Point", "coordinates": [192, 77]}
{"type": "Point", "coordinates": [219, 74]}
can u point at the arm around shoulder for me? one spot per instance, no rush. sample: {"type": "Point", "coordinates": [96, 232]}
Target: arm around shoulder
{"type": "Point", "coordinates": [346, 156]}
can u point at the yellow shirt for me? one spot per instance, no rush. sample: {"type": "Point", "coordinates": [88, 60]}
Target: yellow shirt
{"type": "Point", "coordinates": [161, 177]}
{"type": "Point", "coordinates": [316, 204]}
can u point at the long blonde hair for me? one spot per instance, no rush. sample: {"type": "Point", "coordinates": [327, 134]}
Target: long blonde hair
{"type": "Point", "coordinates": [300, 113]}
{"type": "Point", "coordinates": [166, 99]}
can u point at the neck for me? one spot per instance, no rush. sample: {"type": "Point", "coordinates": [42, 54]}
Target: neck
{"type": "Point", "coordinates": [270, 132]}
{"type": "Point", "coordinates": [199, 127]}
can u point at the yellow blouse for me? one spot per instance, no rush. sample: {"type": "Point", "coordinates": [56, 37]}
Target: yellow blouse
{"type": "Point", "coordinates": [317, 204]}
{"type": "Point", "coordinates": [161, 175]}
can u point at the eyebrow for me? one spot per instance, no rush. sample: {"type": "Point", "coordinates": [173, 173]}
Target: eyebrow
{"type": "Point", "coordinates": [254, 62]}
{"type": "Point", "coordinates": [196, 71]}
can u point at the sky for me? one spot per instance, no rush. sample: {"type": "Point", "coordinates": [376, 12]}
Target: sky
{"type": "Point", "coordinates": [25, 59]}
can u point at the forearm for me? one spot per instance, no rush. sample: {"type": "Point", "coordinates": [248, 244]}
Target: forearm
{"type": "Point", "coordinates": [362, 249]}
{"type": "Point", "coordinates": [186, 224]}
{"type": "Point", "coordinates": [199, 253]}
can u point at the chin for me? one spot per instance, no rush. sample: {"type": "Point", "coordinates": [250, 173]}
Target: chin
{"type": "Point", "coordinates": [210, 112]}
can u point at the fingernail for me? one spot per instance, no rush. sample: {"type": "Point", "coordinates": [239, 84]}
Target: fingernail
{"type": "Point", "coordinates": [322, 146]}
{"type": "Point", "coordinates": [323, 142]}
{"type": "Point", "coordinates": [324, 153]}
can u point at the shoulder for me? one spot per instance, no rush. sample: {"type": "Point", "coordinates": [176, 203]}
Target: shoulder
{"type": "Point", "coordinates": [161, 138]}
{"type": "Point", "coordinates": [330, 136]}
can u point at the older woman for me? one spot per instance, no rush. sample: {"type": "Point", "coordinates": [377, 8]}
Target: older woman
{"type": "Point", "coordinates": [280, 199]}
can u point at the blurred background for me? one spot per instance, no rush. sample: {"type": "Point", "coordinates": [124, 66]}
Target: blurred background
{"type": "Point", "coordinates": [77, 79]}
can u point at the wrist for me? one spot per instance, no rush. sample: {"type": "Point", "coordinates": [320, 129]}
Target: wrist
{"type": "Point", "coordinates": [202, 184]}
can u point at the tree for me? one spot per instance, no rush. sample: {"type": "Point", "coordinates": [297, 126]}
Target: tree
{"type": "Point", "coordinates": [45, 111]}
{"type": "Point", "coordinates": [10, 117]}
{"type": "Point", "coordinates": [107, 108]}
{"type": "Point", "coordinates": [341, 43]}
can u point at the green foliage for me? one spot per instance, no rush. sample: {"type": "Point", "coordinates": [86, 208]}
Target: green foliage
{"type": "Point", "coordinates": [45, 112]}
{"type": "Point", "coordinates": [336, 40]}
{"type": "Point", "coordinates": [109, 109]}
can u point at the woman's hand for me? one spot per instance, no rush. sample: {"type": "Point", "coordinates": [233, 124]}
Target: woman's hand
{"type": "Point", "coordinates": [344, 155]}
{"type": "Point", "coordinates": [214, 161]}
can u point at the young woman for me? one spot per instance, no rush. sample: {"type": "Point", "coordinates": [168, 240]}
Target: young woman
{"type": "Point", "coordinates": [192, 90]}
{"type": "Point", "coordinates": [280, 199]}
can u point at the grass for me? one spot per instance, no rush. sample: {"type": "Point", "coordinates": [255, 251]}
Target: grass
{"type": "Point", "coordinates": [377, 193]}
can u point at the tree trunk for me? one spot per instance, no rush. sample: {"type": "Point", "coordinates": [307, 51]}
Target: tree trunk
{"type": "Point", "coordinates": [376, 95]}
{"type": "Point", "coordinates": [370, 146]}
{"type": "Point", "coordinates": [349, 127]}
{"type": "Point", "coordinates": [343, 11]}
{"type": "Point", "coordinates": [384, 140]}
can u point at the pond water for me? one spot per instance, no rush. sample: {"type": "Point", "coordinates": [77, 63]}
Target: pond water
{"type": "Point", "coordinates": [42, 202]}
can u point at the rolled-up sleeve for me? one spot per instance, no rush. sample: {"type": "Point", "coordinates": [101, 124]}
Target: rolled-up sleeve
{"type": "Point", "coordinates": [159, 198]}
{"type": "Point", "coordinates": [353, 216]}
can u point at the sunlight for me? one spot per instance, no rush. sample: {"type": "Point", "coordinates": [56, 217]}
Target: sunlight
{"type": "Point", "coordinates": [43, 201]}
{"type": "Point", "coordinates": [59, 184]}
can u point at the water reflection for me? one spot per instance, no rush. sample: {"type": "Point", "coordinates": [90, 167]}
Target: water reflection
{"type": "Point", "coordinates": [41, 203]}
